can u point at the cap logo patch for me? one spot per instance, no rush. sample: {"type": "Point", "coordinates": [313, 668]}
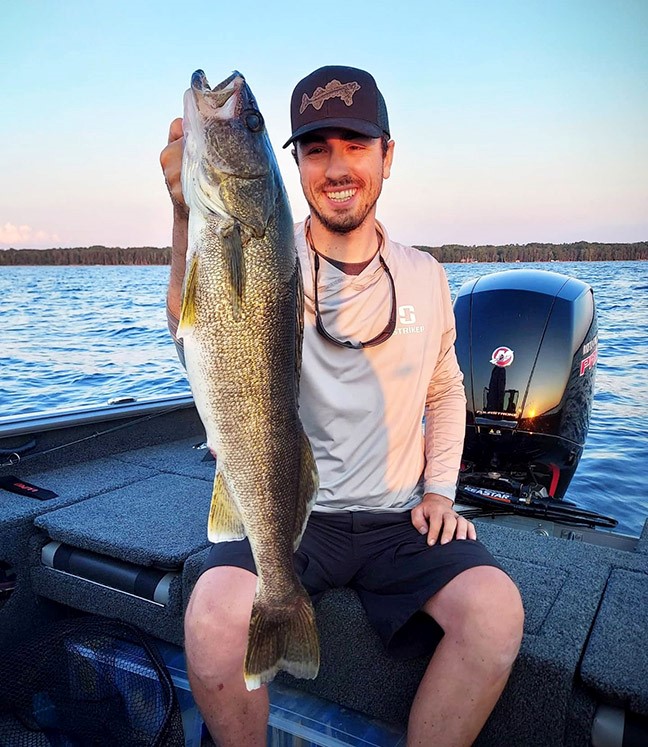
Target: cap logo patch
{"type": "Point", "coordinates": [333, 89]}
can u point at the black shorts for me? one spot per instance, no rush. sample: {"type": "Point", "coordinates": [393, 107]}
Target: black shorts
{"type": "Point", "coordinates": [384, 559]}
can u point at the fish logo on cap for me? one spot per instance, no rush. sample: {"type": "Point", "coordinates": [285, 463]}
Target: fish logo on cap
{"type": "Point", "coordinates": [333, 89]}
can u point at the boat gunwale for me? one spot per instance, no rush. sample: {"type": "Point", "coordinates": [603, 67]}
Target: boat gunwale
{"type": "Point", "coordinates": [17, 425]}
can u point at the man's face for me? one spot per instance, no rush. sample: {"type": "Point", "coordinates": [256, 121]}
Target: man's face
{"type": "Point", "coordinates": [341, 175]}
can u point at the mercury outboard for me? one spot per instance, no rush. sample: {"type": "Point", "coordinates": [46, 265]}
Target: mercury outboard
{"type": "Point", "coordinates": [527, 345]}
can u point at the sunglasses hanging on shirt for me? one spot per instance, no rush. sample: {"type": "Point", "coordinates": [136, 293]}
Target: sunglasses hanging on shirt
{"type": "Point", "coordinates": [387, 332]}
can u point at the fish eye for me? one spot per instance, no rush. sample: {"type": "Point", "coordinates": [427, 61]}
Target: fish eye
{"type": "Point", "coordinates": [253, 121]}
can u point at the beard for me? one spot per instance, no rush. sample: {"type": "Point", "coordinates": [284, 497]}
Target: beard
{"type": "Point", "coordinates": [340, 224]}
{"type": "Point", "coordinates": [343, 222]}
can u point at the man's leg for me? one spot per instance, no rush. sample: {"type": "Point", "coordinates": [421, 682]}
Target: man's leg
{"type": "Point", "coordinates": [481, 614]}
{"type": "Point", "coordinates": [216, 634]}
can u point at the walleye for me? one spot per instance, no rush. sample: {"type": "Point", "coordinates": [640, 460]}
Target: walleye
{"type": "Point", "coordinates": [242, 322]}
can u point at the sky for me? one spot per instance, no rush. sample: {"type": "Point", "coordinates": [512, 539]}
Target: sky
{"type": "Point", "coordinates": [514, 122]}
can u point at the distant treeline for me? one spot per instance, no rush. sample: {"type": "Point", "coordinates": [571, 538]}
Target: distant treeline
{"type": "Point", "coordinates": [88, 255]}
{"type": "Point", "coordinates": [581, 251]}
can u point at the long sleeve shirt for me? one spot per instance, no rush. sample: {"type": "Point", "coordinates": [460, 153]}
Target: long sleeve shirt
{"type": "Point", "coordinates": [363, 409]}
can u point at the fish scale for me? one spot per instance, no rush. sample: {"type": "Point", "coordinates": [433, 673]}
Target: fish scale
{"type": "Point", "coordinates": [241, 323]}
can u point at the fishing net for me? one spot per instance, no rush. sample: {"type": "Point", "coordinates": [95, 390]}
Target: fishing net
{"type": "Point", "coordinates": [87, 682]}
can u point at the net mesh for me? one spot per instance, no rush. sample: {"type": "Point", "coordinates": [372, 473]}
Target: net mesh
{"type": "Point", "coordinates": [87, 682]}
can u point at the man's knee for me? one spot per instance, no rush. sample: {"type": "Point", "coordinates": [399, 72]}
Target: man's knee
{"type": "Point", "coordinates": [482, 609]}
{"type": "Point", "coordinates": [217, 621]}
{"type": "Point", "coordinates": [506, 619]}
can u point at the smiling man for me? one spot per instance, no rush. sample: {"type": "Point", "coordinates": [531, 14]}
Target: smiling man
{"type": "Point", "coordinates": [341, 176]}
{"type": "Point", "coordinates": [378, 355]}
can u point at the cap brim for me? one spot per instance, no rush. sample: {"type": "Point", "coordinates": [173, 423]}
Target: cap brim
{"type": "Point", "coordinates": [368, 129]}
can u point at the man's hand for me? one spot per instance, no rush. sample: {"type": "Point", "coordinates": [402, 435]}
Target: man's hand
{"type": "Point", "coordinates": [171, 162]}
{"type": "Point", "coordinates": [436, 517]}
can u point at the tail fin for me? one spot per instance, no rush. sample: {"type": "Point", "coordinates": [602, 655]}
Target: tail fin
{"type": "Point", "coordinates": [282, 638]}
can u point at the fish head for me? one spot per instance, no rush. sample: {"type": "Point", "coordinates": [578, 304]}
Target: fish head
{"type": "Point", "coordinates": [229, 167]}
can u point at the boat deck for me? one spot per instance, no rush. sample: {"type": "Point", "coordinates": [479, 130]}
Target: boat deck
{"type": "Point", "coordinates": [132, 507]}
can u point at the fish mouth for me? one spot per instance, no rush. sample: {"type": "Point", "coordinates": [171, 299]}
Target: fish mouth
{"type": "Point", "coordinates": [224, 129]}
{"type": "Point", "coordinates": [220, 94]}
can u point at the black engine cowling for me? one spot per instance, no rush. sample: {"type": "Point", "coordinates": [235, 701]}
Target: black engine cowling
{"type": "Point", "coordinates": [527, 346]}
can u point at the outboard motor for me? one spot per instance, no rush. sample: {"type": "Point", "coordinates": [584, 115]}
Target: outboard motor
{"type": "Point", "coordinates": [527, 346]}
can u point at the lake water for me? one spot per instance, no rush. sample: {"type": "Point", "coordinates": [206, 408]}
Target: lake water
{"type": "Point", "coordinates": [78, 336]}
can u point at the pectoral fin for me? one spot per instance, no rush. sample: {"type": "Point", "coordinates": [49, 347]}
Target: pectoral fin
{"type": "Point", "coordinates": [231, 238]}
{"type": "Point", "coordinates": [224, 519]}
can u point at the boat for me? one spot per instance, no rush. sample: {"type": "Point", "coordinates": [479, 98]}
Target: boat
{"type": "Point", "coordinates": [103, 510]}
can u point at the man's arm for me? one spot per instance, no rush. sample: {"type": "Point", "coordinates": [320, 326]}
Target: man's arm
{"type": "Point", "coordinates": [171, 162]}
{"type": "Point", "coordinates": [445, 418]}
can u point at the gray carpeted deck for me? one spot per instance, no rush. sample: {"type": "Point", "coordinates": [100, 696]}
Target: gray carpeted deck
{"type": "Point", "coordinates": [145, 501]}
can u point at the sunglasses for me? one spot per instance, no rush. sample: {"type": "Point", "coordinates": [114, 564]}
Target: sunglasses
{"type": "Point", "coordinates": [379, 338]}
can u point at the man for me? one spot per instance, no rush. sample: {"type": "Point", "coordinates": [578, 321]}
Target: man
{"type": "Point", "coordinates": [378, 354]}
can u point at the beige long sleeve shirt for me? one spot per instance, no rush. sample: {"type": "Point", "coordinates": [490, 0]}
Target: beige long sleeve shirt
{"type": "Point", "coordinates": [363, 409]}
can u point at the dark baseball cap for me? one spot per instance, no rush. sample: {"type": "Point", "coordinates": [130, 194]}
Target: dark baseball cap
{"type": "Point", "coordinates": [338, 96]}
